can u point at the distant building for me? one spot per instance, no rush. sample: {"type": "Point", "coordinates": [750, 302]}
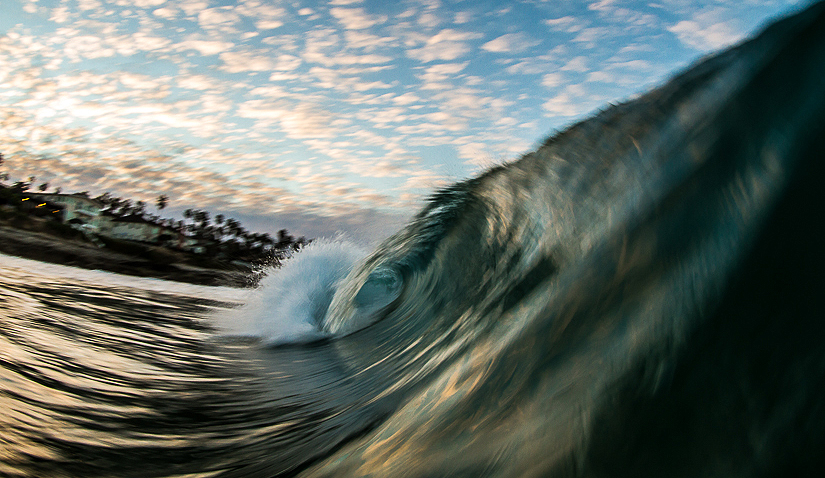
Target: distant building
{"type": "Point", "coordinates": [76, 209]}
{"type": "Point", "coordinates": [133, 228]}
{"type": "Point", "coordinates": [89, 215]}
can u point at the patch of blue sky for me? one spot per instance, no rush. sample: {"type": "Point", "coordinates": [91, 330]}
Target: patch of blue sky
{"type": "Point", "coordinates": [12, 15]}
{"type": "Point", "coordinates": [433, 157]}
{"type": "Point", "coordinates": [140, 63]}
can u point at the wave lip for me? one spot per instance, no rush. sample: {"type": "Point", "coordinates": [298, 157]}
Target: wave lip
{"type": "Point", "coordinates": [290, 304]}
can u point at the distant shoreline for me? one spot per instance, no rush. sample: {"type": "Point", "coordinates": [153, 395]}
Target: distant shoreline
{"type": "Point", "coordinates": [168, 265]}
{"type": "Point", "coordinates": [118, 235]}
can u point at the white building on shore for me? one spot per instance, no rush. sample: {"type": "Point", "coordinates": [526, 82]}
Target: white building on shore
{"type": "Point", "coordinates": [132, 228]}
{"type": "Point", "coordinates": [76, 208]}
{"type": "Point", "coordinates": [91, 216]}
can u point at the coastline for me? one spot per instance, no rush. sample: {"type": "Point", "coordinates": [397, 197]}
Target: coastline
{"type": "Point", "coordinates": [168, 265]}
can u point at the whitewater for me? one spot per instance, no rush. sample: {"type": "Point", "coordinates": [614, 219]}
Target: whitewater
{"type": "Point", "coordinates": [641, 296]}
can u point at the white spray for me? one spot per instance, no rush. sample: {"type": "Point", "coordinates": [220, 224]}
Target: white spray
{"type": "Point", "coordinates": [291, 302]}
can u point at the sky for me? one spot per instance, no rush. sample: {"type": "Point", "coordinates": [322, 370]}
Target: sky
{"type": "Point", "coordinates": [323, 117]}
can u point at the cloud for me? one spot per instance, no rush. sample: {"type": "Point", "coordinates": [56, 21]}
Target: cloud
{"type": "Point", "coordinates": [166, 13]}
{"type": "Point", "coordinates": [357, 39]}
{"type": "Point", "coordinates": [568, 24]}
{"type": "Point", "coordinates": [591, 35]}
{"type": "Point", "coordinates": [249, 61]}
{"type": "Point", "coordinates": [60, 15]}
{"type": "Point", "coordinates": [425, 180]}
{"type": "Point", "coordinates": [632, 21]}
{"type": "Point", "coordinates": [288, 63]}
{"type": "Point", "coordinates": [260, 11]}
{"type": "Point", "coordinates": [510, 43]}
{"type": "Point", "coordinates": [246, 61]}
{"type": "Point", "coordinates": [577, 64]}
{"type": "Point", "coordinates": [324, 47]}
{"type": "Point", "coordinates": [428, 20]}
{"type": "Point", "coordinates": [302, 121]}
{"type": "Point", "coordinates": [462, 17]}
{"type": "Point", "coordinates": [139, 42]}
{"type": "Point", "coordinates": [193, 7]}
{"type": "Point", "coordinates": [561, 105]}
{"type": "Point", "coordinates": [347, 60]}
{"type": "Point", "coordinates": [140, 82]}
{"type": "Point", "coordinates": [600, 77]}
{"type": "Point", "coordinates": [355, 18]}
{"type": "Point", "coordinates": [532, 66]}
{"type": "Point", "coordinates": [466, 102]}
{"type": "Point", "coordinates": [441, 77]}
{"type": "Point", "coordinates": [447, 45]}
{"type": "Point", "coordinates": [603, 5]}
{"type": "Point", "coordinates": [442, 71]}
{"type": "Point", "coordinates": [268, 24]}
{"type": "Point", "coordinates": [204, 47]}
{"type": "Point", "coordinates": [634, 65]}
{"type": "Point", "coordinates": [475, 153]}
{"type": "Point", "coordinates": [384, 116]}
{"type": "Point", "coordinates": [148, 3]}
{"type": "Point", "coordinates": [406, 99]}
{"type": "Point", "coordinates": [87, 47]}
{"type": "Point", "coordinates": [704, 35]}
{"type": "Point", "coordinates": [332, 78]}
{"type": "Point", "coordinates": [377, 168]}
{"type": "Point", "coordinates": [552, 80]}
{"type": "Point", "coordinates": [198, 82]}
{"type": "Point", "coordinates": [217, 16]}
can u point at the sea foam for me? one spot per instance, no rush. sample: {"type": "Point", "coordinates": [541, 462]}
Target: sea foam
{"type": "Point", "coordinates": [290, 303]}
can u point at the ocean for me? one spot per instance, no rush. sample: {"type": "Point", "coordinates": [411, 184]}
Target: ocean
{"type": "Point", "coordinates": [640, 296]}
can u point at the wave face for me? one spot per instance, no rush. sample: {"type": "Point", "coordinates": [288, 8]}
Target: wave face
{"type": "Point", "coordinates": [641, 296]}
